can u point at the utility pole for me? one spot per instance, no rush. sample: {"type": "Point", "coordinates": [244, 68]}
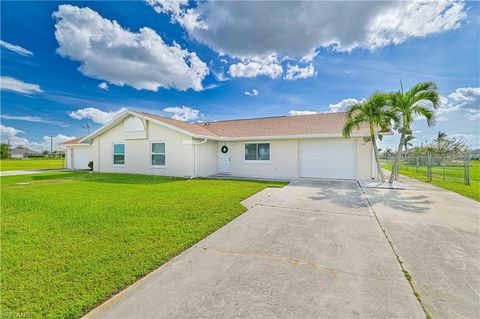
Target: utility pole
{"type": "Point", "coordinates": [51, 144]}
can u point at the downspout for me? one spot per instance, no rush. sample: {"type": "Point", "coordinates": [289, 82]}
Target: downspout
{"type": "Point", "coordinates": [195, 156]}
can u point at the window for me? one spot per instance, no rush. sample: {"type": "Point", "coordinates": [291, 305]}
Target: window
{"type": "Point", "coordinates": [158, 154]}
{"type": "Point", "coordinates": [118, 154]}
{"type": "Point", "coordinates": [257, 152]}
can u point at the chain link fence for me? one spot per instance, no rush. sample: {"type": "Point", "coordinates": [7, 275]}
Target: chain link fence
{"type": "Point", "coordinates": [454, 168]}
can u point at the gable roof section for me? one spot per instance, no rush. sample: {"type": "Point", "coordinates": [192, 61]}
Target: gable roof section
{"type": "Point", "coordinates": [185, 126]}
{"type": "Point", "coordinates": [316, 125]}
{"type": "Point", "coordinates": [73, 141]}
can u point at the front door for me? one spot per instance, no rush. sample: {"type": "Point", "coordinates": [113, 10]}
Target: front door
{"type": "Point", "coordinates": [224, 158]}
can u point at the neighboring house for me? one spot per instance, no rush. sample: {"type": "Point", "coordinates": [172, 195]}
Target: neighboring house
{"type": "Point", "coordinates": [283, 147]}
{"type": "Point", "coordinates": [23, 152]}
{"type": "Point", "coordinates": [475, 154]}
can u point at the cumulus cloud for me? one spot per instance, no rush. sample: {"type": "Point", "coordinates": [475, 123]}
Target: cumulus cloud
{"type": "Point", "coordinates": [183, 113]}
{"type": "Point", "coordinates": [298, 28]}
{"type": "Point", "coordinates": [294, 113]}
{"type": "Point", "coordinates": [103, 86]}
{"type": "Point", "coordinates": [254, 92]}
{"type": "Point", "coordinates": [179, 13]}
{"type": "Point", "coordinates": [252, 67]}
{"type": "Point", "coordinates": [15, 48]}
{"type": "Point", "coordinates": [109, 52]}
{"type": "Point", "coordinates": [343, 105]}
{"type": "Point", "coordinates": [295, 72]}
{"type": "Point", "coordinates": [95, 115]}
{"type": "Point", "coordinates": [14, 85]}
{"type": "Point", "coordinates": [462, 99]}
{"type": "Point", "coordinates": [11, 135]}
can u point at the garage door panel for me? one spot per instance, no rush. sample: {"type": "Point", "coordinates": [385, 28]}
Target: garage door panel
{"type": "Point", "coordinates": [328, 159]}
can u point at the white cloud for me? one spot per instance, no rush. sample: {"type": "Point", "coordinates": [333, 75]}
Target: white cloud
{"type": "Point", "coordinates": [295, 72]}
{"type": "Point", "coordinates": [10, 135]}
{"type": "Point", "coordinates": [15, 48]}
{"type": "Point", "coordinates": [183, 113]}
{"type": "Point", "coordinates": [103, 86]}
{"type": "Point", "coordinates": [462, 99]}
{"type": "Point", "coordinates": [343, 105]}
{"type": "Point", "coordinates": [95, 115]}
{"type": "Point", "coordinates": [294, 113]}
{"type": "Point", "coordinates": [254, 92]}
{"type": "Point", "coordinates": [298, 28]}
{"type": "Point", "coordinates": [187, 18]}
{"type": "Point", "coordinates": [252, 67]}
{"type": "Point", "coordinates": [109, 52]}
{"type": "Point", "coordinates": [36, 119]}
{"type": "Point", "coordinates": [14, 85]}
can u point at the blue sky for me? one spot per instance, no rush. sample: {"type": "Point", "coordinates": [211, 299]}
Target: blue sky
{"type": "Point", "coordinates": [66, 64]}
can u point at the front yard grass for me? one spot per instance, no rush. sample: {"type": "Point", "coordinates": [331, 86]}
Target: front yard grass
{"type": "Point", "coordinates": [453, 181]}
{"type": "Point", "coordinates": [31, 163]}
{"type": "Point", "coordinates": [70, 240]}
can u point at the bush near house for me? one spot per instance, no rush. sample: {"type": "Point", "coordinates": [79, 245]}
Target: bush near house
{"type": "Point", "coordinates": [72, 239]}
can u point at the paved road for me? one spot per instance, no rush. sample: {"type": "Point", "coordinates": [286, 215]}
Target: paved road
{"type": "Point", "coordinates": [28, 172]}
{"type": "Point", "coordinates": [437, 235]}
{"type": "Point", "coordinates": [313, 249]}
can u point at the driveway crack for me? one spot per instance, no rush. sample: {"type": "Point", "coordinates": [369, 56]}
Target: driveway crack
{"type": "Point", "coordinates": [293, 260]}
{"type": "Point", "coordinates": [405, 272]}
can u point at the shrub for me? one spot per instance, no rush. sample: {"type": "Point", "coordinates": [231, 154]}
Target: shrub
{"type": "Point", "coordinates": [90, 165]}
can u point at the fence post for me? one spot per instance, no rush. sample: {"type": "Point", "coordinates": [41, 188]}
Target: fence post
{"type": "Point", "coordinates": [444, 158]}
{"type": "Point", "coordinates": [429, 167]}
{"type": "Point", "coordinates": [467, 171]}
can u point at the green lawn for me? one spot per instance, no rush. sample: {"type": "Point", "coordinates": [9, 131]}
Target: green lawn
{"type": "Point", "coordinates": [31, 163]}
{"type": "Point", "coordinates": [453, 180]}
{"type": "Point", "coordinates": [72, 239]}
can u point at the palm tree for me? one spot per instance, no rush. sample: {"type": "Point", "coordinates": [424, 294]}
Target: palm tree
{"type": "Point", "coordinates": [409, 105]}
{"type": "Point", "coordinates": [406, 142]}
{"type": "Point", "coordinates": [376, 114]}
{"type": "Point", "coordinates": [441, 137]}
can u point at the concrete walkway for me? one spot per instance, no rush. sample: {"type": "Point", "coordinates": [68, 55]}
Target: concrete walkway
{"type": "Point", "coordinates": [436, 233]}
{"type": "Point", "coordinates": [28, 172]}
{"type": "Point", "coordinates": [313, 249]}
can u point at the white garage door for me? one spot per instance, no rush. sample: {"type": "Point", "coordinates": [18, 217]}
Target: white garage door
{"type": "Point", "coordinates": [328, 159]}
{"type": "Point", "coordinates": [80, 157]}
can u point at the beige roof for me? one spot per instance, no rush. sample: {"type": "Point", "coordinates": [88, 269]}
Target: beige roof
{"type": "Point", "coordinates": [316, 124]}
{"type": "Point", "coordinates": [74, 141]}
{"type": "Point", "coordinates": [186, 126]}
{"type": "Point", "coordinates": [300, 125]}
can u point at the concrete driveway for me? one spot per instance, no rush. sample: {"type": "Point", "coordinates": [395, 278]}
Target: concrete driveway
{"type": "Point", "coordinates": [28, 172]}
{"type": "Point", "coordinates": [313, 249]}
{"type": "Point", "coordinates": [436, 233]}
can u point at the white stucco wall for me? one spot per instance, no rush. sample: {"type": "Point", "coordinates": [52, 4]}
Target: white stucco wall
{"type": "Point", "coordinates": [284, 159]}
{"type": "Point", "coordinates": [178, 149]}
{"type": "Point", "coordinates": [86, 151]}
{"type": "Point", "coordinates": [207, 156]}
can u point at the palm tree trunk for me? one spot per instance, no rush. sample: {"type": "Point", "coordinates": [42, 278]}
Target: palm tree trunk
{"type": "Point", "coordinates": [397, 158]}
{"type": "Point", "coordinates": [375, 150]}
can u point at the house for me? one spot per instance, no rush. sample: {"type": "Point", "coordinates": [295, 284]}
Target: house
{"type": "Point", "coordinates": [283, 147]}
{"type": "Point", "coordinates": [21, 152]}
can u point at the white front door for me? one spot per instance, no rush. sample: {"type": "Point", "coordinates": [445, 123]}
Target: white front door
{"type": "Point", "coordinates": [224, 158]}
{"type": "Point", "coordinates": [329, 159]}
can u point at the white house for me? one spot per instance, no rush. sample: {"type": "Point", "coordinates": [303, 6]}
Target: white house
{"type": "Point", "coordinates": [283, 147]}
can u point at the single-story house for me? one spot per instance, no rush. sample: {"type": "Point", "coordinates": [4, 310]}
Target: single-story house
{"type": "Point", "coordinates": [21, 152]}
{"type": "Point", "coordinates": [283, 147]}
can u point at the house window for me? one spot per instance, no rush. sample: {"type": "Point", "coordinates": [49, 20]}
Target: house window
{"type": "Point", "coordinates": [118, 154]}
{"type": "Point", "coordinates": [158, 154]}
{"type": "Point", "coordinates": [257, 152]}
